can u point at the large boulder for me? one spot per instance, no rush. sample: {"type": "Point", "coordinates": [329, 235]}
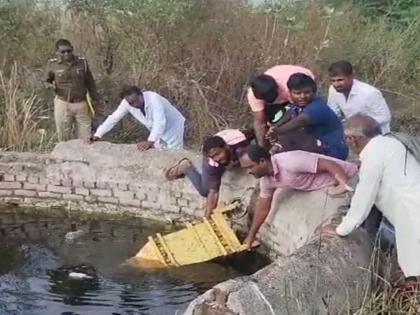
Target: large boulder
{"type": "Point", "coordinates": [295, 216]}
{"type": "Point", "coordinates": [326, 276]}
{"type": "Point", "coordinates": [309, 274]}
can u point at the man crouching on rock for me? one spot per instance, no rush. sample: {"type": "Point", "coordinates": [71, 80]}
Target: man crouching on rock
{"type": "Point", "coordinates": [219, 152]}
{"type": "Point", "coordinates": [299, 170]}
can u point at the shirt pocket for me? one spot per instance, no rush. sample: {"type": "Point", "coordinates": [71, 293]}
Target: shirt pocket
{"type": "Point", "coordinates": [79, 73]}
{"type": "Point", "coordinates": [62, 76]}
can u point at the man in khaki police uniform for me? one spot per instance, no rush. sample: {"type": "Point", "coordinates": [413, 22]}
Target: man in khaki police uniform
{"type": "Point", "coordinates": [72, 80]}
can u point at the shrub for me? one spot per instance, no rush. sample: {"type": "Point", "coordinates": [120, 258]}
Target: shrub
{"type": "Point", "coordinates": [202, 54]}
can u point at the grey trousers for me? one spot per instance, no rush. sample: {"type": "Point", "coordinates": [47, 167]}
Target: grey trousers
{"type": "Point", "coordinates": [200, 182]}
{"type": "Point", "coordinates": [380, 229]}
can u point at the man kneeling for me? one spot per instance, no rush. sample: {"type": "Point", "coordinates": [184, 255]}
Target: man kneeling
{"type": "Point", "coordinates": [219, 152]}
{"type": "Point", "coordinates": [299, 170]}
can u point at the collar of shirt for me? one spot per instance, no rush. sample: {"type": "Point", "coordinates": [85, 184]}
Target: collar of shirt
{"type": "Point", "coordinates": [355, 88]}
{"type": "Point", "coordinates": [61, 61]}
{"type": "Point", "coordinates": [296, 108]}
{"type": "Point", "coordinates": [363, 152]}
{"type": "Point", "coordinates": [147, 108]}
{"type": "Point", "coordinates": [213, 163]}
{"type": "Point", "coordinates": [147, 111]}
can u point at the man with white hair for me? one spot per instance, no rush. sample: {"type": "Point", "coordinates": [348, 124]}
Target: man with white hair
{"type": "Point", "coordinates": [390, 179]}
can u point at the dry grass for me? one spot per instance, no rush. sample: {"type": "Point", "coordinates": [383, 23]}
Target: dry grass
{"type": "Point", "coordinates": [19, 124]}
{"type": "Point", "coordinates": [381, 295]}
{"type": "Point", "coordinates": [203, 63]}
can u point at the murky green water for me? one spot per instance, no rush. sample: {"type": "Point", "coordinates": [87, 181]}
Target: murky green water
{"type": "Point", "coordinates": [35, 262]}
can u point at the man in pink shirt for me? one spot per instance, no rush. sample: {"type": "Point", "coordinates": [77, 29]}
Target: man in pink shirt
{"type": "Point", "coordinates": [299, 170]}
{"type": "Point", "coordinates": [269, 91]}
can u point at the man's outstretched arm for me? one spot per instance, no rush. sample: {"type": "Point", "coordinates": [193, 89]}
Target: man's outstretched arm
{"type": "Point", "coordinates": [367, 189]}
{"type": "Point", "coordinates": [295, 123]}
{"type": "Point", "coordinates": [262, 208]}
{"type": "Point", "coordinates": [211, 201]}
{"type": "Point", "coordinates": [260, 127]}
{"type": "Point", "coordinates": [112, 120]}
{"type": "Point", "coordinates": [332, 168]}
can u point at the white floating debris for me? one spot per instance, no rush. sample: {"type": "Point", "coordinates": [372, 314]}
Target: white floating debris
{"type": "Point", "coordinates": [79, 276]}
{"type": "Point", "coordinates": [71, 236]}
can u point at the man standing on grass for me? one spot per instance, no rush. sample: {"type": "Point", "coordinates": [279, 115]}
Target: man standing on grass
{"type": "Point", "coordinates": [350, 96]}
{"type": "Point", "coordinates": [72, 81]}
{"type": "Point", "coordinates": [269, 94]}
{"type": "Point", "coordinates": [298, 170]}
{"type": "Point", "coordinates": [156, 113]}
{"type": "Point", "coordinates": [390, 180]}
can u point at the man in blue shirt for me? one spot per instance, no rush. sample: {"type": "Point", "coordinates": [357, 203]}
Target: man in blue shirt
{"type": "Point", "coordinates": [310, 125]}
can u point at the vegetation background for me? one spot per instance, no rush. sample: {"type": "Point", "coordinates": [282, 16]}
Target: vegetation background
{"type": "Point", "coordinates": [200, 54]}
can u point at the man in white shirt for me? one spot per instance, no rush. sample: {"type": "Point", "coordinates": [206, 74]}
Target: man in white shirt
{"type": "Point", "coordinates": [350, 96]}
{"type": "Point", "coordinates": [165, 122]}
{"type": "Point", "coordinates": [390, 179]}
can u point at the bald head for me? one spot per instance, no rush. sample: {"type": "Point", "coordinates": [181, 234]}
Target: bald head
{"type": "Point", "coordinates": [361, 125]}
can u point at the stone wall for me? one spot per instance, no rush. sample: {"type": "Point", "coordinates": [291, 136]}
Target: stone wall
{"type": "Point", "coordinates": [108, 178]}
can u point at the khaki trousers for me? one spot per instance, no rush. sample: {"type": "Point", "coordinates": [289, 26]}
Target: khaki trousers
{"type": "Point", "coordinates": [66, 114]}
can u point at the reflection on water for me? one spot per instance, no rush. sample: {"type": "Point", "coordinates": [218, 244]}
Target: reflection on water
{"type": "Point", "coordinates": [35, 262]}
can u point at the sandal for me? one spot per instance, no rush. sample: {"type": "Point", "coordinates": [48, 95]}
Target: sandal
{"type": "Point", "coordinates": [173, 172]}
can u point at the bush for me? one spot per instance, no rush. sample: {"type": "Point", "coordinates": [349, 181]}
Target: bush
{"type": "Point", "coordinates": [20, 125]}
{"type": "Point", "coordinates": [202, 54]}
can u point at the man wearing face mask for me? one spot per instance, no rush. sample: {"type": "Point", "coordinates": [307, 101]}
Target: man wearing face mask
{"type": "Point", "coordinates": [219, 152]}
{"type": "Point", "coordinates": [164, 121]}
{"type": "Point", "coordinates": [72, 80]}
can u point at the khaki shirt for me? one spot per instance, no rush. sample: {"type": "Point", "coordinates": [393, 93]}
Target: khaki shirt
{"type": "Point", "coordinates": [72, 80]}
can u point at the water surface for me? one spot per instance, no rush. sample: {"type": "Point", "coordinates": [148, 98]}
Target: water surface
{"type": "Point", "coordinates": [35, 262]}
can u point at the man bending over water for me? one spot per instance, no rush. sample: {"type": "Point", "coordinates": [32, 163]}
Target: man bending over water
{"type": "Point", "coordinates": [219, 152]}
{"type": "Point", "coordinates": [299, 170]}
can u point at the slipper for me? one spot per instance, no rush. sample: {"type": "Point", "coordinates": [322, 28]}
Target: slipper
{"type": "Point", "coordinates": [172, 173]}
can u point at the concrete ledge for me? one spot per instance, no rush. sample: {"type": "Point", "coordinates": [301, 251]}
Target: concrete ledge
{"type": "Point", "coordinates": [108, 177]}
